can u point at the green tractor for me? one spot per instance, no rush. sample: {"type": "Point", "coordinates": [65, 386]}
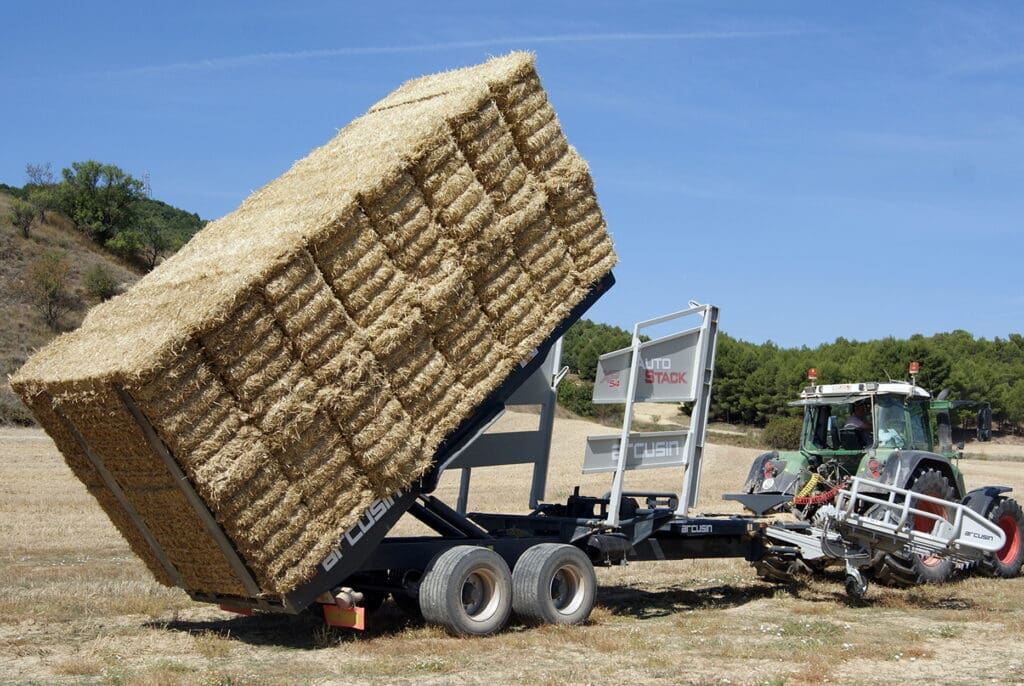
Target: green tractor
{"type": "Point", "coordinates": [882, 431]}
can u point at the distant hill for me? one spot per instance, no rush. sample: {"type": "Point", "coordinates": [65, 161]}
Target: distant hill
{"type": "Point", "coordinates": [23, 328]}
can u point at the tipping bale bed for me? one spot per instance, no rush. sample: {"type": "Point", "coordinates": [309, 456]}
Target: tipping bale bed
{"type": "Point", "coordinates": [311, 351]}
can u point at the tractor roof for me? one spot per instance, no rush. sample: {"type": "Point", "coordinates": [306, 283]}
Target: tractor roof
{"type": "Point", "coordinates": [840, 393]}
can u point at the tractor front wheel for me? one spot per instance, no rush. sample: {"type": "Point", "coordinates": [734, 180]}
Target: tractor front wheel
{"type": "Point", "coordinates": [903, 570]}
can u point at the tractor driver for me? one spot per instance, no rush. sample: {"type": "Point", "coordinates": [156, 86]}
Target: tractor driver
{"type": "Point", "coordinates": [858, 420]}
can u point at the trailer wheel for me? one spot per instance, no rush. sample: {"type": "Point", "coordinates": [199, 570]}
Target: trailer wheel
{"type": "Point", "coordinates": [553, 583]}
{"type": "Point", "coordinates": [903, 570]}
{"type": "Point", "coordinates": [856, 586]}
{"type": "Point", "coordinates": [1006, 562]}
{"type": "Point", "coordinates": [467, 590]}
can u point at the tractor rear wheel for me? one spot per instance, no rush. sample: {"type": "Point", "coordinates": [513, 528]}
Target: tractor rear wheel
{"type": "Point", "coordinates": [1006, 562]}
{"type": "Point", "coordinates": [904, 570]}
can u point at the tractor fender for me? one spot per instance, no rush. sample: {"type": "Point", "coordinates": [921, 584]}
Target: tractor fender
{"type": "Point", "coordinates": [902, 466]}
{"type": "Point", "coordinates": [788, 473]}
{"type": "Point", "coordinates": [983, 499]}
{"type": "Point", "coordinates": [756, 474]}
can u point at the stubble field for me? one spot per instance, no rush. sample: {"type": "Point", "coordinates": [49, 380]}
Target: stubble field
{"type": "Point", "coordinates": [77, 608]}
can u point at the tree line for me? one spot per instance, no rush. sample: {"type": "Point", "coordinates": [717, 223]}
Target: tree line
{"type": "Point", "coordinates": [753, 382]}
{"type": "Point", "coordinates": [106, 204]}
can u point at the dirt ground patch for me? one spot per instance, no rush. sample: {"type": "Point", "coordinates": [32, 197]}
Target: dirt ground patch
{"type": "Point", "coordinates": [77, 608]}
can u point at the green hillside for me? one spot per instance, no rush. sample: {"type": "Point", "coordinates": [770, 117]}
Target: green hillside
{"type": "Point", "coordinates": [56, 253]}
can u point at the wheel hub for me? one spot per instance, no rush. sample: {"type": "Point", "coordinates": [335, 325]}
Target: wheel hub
{"type": "Point", "coordinates": [478, 595]}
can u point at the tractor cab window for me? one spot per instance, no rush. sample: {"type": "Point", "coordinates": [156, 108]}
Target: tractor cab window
{"type": "Point", "coordinates": [817, 428]}
{"type": "Point", "coordinates": [901, 424]}
{"type": "Point", "coordinates": [825, 428]}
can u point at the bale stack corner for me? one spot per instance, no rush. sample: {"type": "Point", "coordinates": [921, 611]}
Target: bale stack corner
{"type": "Point", "coordinates": [309, 352]}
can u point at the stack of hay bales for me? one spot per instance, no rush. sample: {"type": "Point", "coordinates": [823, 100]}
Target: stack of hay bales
{"type": "Point", "coordinates": [309, 352]}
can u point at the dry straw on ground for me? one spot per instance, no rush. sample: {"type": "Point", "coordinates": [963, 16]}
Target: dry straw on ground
{"type": "Point", "coordinates": [310, 351]}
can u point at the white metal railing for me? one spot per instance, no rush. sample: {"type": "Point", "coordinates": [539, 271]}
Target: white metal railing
{"type": "Point", "coordinates": [957, 531]}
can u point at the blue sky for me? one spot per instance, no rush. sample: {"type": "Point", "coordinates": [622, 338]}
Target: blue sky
{"type": "Point", "coordinates": [815, 169]}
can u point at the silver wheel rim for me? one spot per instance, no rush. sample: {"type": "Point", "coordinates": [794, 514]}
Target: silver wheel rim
{"type": "Point", "coordinates": [567, 590]}
{"type": "Point", "coordinates": [479, 595]}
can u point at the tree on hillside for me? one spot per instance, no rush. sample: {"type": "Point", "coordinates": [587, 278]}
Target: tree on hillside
{"type": "Point", "coordinates": [585, 341]}
{"type": "Point", "coordinates": [39, 174]}
{"type": "Point", "coordinates": [147, 243]}
{"type": "Point", "coordinates": [22, 215]}
{"type": "Point", "coordinates": [41, 190]}
{"type": "Point", "coordinates": [99, 198]}
{"type": "Point", "coordinates": [46, 199]}
{"type": "Point", "coordinates": [48, 281]}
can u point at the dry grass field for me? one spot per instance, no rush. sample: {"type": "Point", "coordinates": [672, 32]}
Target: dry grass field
{"type": "Point", "coordinates": [77, 608]}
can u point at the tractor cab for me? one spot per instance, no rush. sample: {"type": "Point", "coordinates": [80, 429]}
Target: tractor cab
{"type": "Point", "coordinates": [874, 430]}
{"type": "Point", "coordinates": [848, 420]}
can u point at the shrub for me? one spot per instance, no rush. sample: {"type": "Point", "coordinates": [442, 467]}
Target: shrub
{"type": "Point", "coordinates": [100, 283]}
{"type": "Point", "coordinates": [783, 433]}
{"type": "Point", "coordinates": [22, 215]}
{"type": "Point", "coordinates": [574, 395]}
{"type": "Point", "coordinates": [49, 276]}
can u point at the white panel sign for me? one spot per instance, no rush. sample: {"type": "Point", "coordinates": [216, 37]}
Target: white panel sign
{"type": "Point", "coordinates": [645, 451]}
{"type": "Point", "coordinates": [667, 371]}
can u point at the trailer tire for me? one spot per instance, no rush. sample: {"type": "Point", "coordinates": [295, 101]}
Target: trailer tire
{"type": "Point", "coordinates": [467, 590]}
{"type": "Point", "coordinates": [553, 583]}
{"type": "Point", "coordinates": [1006, 563]}
{"type": "Point", "coordinates": [903, 570]}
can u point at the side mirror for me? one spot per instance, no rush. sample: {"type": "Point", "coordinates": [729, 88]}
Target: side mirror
{"type": "Point", "coordinates": [985, 423]}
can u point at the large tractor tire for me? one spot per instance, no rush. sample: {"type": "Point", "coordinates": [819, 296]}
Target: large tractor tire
{"type": "Point", "coordinates": [1006, 562]}
{"type": "Point", "coordinates": [467, 590]}
{"type": "Point", "coordinates": [553, 583]}
{"type": "Point", "coordinates": [901, 570]}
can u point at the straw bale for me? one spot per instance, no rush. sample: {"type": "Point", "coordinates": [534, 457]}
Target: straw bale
{"type": "Point", "coordinates": [106, 426]}
{"type": "Point", "coordinates": [401, 218]}
{"type": "Point", "coordinates": [387, 450]}
{"type": "Point", "coordinates": [42, 407]}
{"type": "Point", "coordinates": [123, 523]}
{"type": "Point", "coordinates": [520, 99]}
{"type": "Point", "coordinates": [354, 390]}
{"type": "Point", "coordinates": [355, 263]}
{"type": "Point", "coordinates": [527, 127]}
{"type": "Point", "coordinates": [532, 123]}
{"type": "Point", "coordinates": [191, 410]}
{"type": "Point", "coordinates": [418, 373]}
{"type": "Point", "coordinates": [443, 187]}
{"type": "Point", "coordinates": [313, 349]}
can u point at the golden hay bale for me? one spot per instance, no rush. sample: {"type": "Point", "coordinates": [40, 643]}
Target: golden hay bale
{"type": "Point", "coordinates": [312, 350]}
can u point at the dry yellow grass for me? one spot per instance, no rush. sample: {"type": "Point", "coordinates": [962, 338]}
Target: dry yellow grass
{"type": "Point", "coordinates": [77, 607]}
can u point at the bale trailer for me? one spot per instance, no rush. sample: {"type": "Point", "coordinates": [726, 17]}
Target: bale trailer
{"type": "Point", "coordinates": [478, 568]}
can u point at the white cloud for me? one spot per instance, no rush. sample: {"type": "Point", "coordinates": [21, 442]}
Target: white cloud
{"type": "Point", "coordinates": [242, 61]}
